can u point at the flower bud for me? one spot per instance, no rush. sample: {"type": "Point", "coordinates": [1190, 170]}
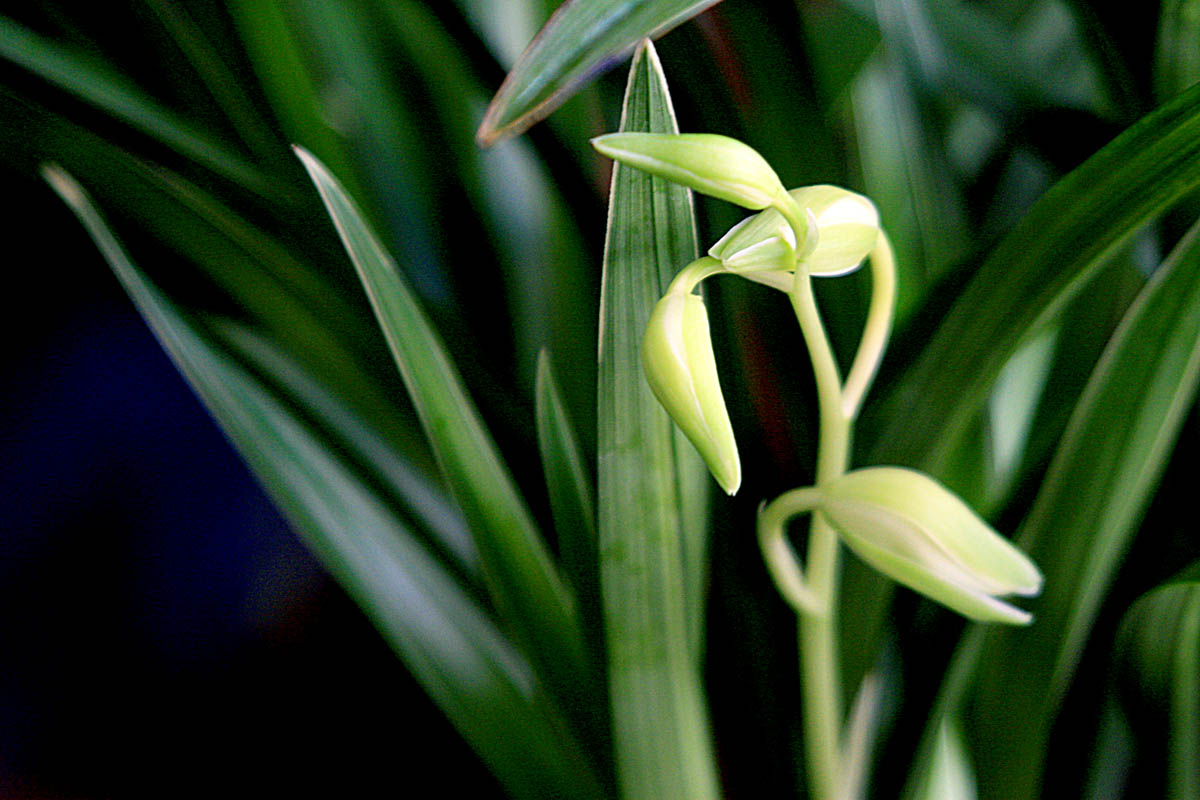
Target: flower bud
{"type": "Point", "coordinates": [917, 532]}
{"type": "Point", "coordinates": [762, 242]}
{"type": "Point", "coordinates": [847, 226]}
{"type": "Point", "coordinates": [711, 164]}
{"type": "Point", "coordinates": [677, 355]}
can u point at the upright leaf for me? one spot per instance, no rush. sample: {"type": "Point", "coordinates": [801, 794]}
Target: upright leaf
{"type": "Point", "coordinates": [661, 726]}
{"type": "Point", "coordinates": [1089, 507]}
{"type": "Point", "coordinates": [524, 583]}
{"type": "Point", "coordinates": [582, 38]}
{"type": "Point", "coordinates": [471, 670]}
{"type": "Point", "coordinates": [1159, 645]}
{"type": "Point", "coordinates": [572, 499]}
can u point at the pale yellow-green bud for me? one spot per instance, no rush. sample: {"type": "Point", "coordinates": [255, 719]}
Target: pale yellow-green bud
{"type": "Point", "coordinates": [915, 531]}
{"type": "Point", "coordinates": [762, 242]}
{"type": "Point", "coordinates": [847, 226]}
{"type": "Point", "coordinates": [677, 355]}
{"type": "Point", "coordinates": [707, 162]}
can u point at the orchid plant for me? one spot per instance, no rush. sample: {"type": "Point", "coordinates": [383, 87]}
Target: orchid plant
{"type": "Point", "coordinates": [900, 521]}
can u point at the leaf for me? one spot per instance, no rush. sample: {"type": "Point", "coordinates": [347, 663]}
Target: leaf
{"type": "Point", "coordinates": [1177, 54]}
{"type": "Point", "coordinates": [523, 581]}
{"type": "Point", "coordinates": [1086, 514]}
{"type": "Point", "coordinates": [471, 670]}
{"type": "Point", "coordinates": [571, 491]}
{"type": "Point", "coordinates": [112, 94]}
{"type": "Point", "coordinates": [1159, 644]}
{"type": "Point", "coordinates": [660, 724]}
{"type": "Point", "coordinates": [582, 38]}
{"type": "Point", "coordinates": [1046, 260]}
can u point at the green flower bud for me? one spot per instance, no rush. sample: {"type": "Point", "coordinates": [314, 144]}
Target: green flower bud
{"type": "Point", "coordinates": [762, 242]}
{"type": "Point", "coordinates": [677, 355]}
{"type": "Point", "coordinates": [918, 533]}
{"type": "Point", "coordinates": [714, 165]}
{"type": "Point", "coordinates": [847, 226]}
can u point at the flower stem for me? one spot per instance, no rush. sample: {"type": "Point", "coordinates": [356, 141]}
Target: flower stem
{"type": "Point", "coordinates": [818, 642]}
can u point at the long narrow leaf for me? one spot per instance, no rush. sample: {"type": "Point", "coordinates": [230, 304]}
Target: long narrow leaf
{"type": "Point", "coordinates": [114, 95]}
{"type": "Point", "coordinates": [661, 727]}
{"type": "Point", "coordinates": [572, 500]}
{"type": "Point", "coordinates": [477, 677]}
{"type": "Point", "coordinates": [523, 580]}
{"type": "Point", "coordinates": [1033, 273]}
{"type": "Point", "coordinates": [1159, 643]}
{"type": "Point", "coordinates": [582, 37]}
{"type": "Point", "coordinates": [1105, 471]}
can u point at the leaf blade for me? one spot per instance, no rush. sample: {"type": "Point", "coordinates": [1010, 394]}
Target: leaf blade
{"type": "Point", "coordinates": [660, 725]}
{"type": "Point", "coordinates": [521, 576]}
{"type": "Point", "coordinates": [580, 39]}
{"type": "Point", "coordinates": [477, 677]}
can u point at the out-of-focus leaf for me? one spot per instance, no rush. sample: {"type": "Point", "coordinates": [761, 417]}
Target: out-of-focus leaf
{"type": "Point", "coordinates": [404, 486]}
{"type": "Point", "coordinates": [905, 174]}
{"type": "Point", "coordinates": [660, 722]}
{"type": "Point", "coordinates": [220, 80]}
{"type": "Point", "coordinates": [1177, 54]}
{"type": "Point", "coordinates": [477, 677]}
{"type": "Point", "coordinates": [572, 500]}
{"type": "Point", "coordinates": [1159, 642]}
{"type": "Point", "coordinates": [521, 576]}
{"type": "Point", "coordinates": [950, 775]}
{"type": "Point", "coordinates": [1032, 274]}
{"type": "Point", "coordinates": [519, 204]}
{"type": "Point", "coordinates": [1085, 515]}
{"type": "Point", "coordinates": [108, 91]}
{"type": "Point", "coordinates": [582, 38]}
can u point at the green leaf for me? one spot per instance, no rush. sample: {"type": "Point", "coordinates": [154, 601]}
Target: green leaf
{"type": "Point", "coordinates": [570, 488]}
{"type": "Point", "coordinates": [1087, 512]}
{"type": "Point", "coordinates": [1177, 54]}
{"type": "Point", "coordinates": [1159, 643]}
{"type": "Point", "coordinates": [471, 670]}
{"type": "Point", "coordinates": [660, 723]}
{"type": "Point", "coordinates": [580, 39]}
{"type": "Point", "coordinates": [1032, 274]}
{"type": "Point", "coordinates": [111, 93]}
{"type": "Point", "coordinates": [523, 581]}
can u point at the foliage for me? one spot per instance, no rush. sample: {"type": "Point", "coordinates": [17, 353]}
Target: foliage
{"type": "Point", "coordinates": [527, 530]}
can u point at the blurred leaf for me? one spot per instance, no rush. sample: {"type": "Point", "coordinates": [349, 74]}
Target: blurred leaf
{"type": "Point", "coordinates": [519, 204]}
{"type": "Point", "coordinates": [582, 38]}
{"type": "Point", "coordinates": [475, 675]}
{"type": "Point", "coordinates": [660, 722]}
{"type": "Point", "coordinates": [571, 494]}
{"type": "Point", "coordinates": [99, 86]}
{"type": "Point", "coordinates": [1106, 469]}
{"type": "Point", "coordinates": [1159, 640]}
{"type": "Point", "coordinates": [217, 76]}
{"type": "Point", "coordinates": [950, 774]}
{"type": "Point", "coordinates": [1032, 274]}
{"type": "Point", "coordinates": [1177, 53]}
{"type": "Point", "coordinates": [521, 576]}
{"type": "Point", "coordinates": [906, 175]}
{"type": "Point", "coordinates": [404, 486]}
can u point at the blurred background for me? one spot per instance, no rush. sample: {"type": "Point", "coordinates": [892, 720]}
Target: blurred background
{"type": "Point", "coordinates": [162, 631]}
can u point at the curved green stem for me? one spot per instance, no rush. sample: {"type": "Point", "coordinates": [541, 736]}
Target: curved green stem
{"type": "Point", "coordinates": [877, 328]}
{"type": "Point", "coordinates": [781, 560]}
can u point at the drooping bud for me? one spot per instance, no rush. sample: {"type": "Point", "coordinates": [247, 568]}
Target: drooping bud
{"type": "Point", "coordinates": [762, 242]}
{"type": "Point", "coordinates": [677, 355]}
{"type": "Point", "coordinates": [707, 162]}
{"type": "Point", "coordinates": [847, 226]}
{"type": "Point", "coordinates": [917, 532]}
